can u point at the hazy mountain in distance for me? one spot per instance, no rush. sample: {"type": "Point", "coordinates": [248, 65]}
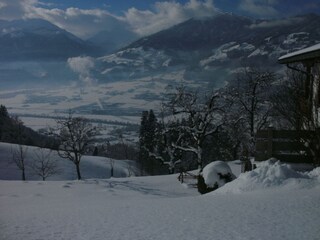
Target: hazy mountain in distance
{"type": "Point", "coordinates": [36, 39]}
{"type": "Point", "coordinates": [112, 40]}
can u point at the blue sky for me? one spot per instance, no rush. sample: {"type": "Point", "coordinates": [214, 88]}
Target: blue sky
{"type": "Point", "coordinates": [242, 7]}
{"type": "Point", "coordinates": [85, 18]}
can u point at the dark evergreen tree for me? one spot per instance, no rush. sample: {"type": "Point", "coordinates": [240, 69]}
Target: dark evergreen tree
{"type": "Point", "coordinates": [148, 141]}
{"type": "Point", "coordinates": [3, 112]}
{"type": "Point", "coordinates": [4, 116]}
{"type": "Point", "coordinates": [143, 155]}
{"type": "Point", "coordinates": [12, 130]}
{"type": "Point", "coordinates": [151, 131]}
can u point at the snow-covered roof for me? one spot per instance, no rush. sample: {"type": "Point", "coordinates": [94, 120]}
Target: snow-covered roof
{"type": "Point", "coordinates": [308, 53]}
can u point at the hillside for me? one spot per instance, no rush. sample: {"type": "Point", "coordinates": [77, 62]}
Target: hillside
{"type": "Point", "coordinates": [91, 167]}
{"type": "Point", "coordinates": [35, 39]}
{"type": "Point", "coordinates": [12, 130]}
{"type": "Point", "coordinates": [210, 33]}
{"type": "Point", "coordinates": [211, 50]}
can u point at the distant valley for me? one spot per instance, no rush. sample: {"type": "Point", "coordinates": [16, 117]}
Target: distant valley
{"type": "Point", "coordinates": [46, 71]}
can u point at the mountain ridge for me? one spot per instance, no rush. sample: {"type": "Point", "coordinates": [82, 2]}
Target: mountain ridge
{"type": "Point", "coordinates": [37, 39]}
{"type": "Point", "coordinates": [215, 46]}
{"type": "Point", "coordinates": [222, 29]}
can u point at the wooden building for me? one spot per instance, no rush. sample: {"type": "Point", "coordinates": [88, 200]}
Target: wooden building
{"type": "Point", "coordinates": [292, 145]}
{"type": "Point", "coordinates": [307, 61]}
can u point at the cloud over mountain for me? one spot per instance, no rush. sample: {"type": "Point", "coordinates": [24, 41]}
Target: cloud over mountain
{"type": "Point", "coordinates": [260, 8]}
{"type": "Point", "coordinates": [167, 14]}
{"type": "Point", "coordinates": [161, 14]}
{"type": "Point", "coordinates": [85, 23]}
{"type": "Point", "coordinates": [83, 67]}
{"type": "Point", "coordinates": [15, 9]}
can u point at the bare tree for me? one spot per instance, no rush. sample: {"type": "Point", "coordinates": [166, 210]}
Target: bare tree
{"type": "Point", "coordinates": [122, 142]}
{"type": "Point", "coordinates": [19, 154]}
{"type": "Point", "coordinates": [111, 162]}
{"type": "Point", "coordinates": [43, 164]}
{"type": "Point", "coordinates": [19, 158]}
{"type": "Point", "coordinates": [130, 169]}
{"type": "Point", "coordinates": [202, 118]}
{"type": "Point", "coordinates": [249, 94]}
{"type": "Point", "coordinates": [293, 104]}
{"type": "Point", "coordinates": [74, 134]}
{"type": "Point", "coordinates": [289, 102]}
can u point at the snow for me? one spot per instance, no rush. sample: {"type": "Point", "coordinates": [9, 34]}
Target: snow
{"type": "Point", "coordinates": [269, 174]}
{"type": "Point", "coordinates": [91, 167]}
{"type": "Point", "coordinates": [271, 202]}
{"type": "Point", "coordinates": [137, 57]}
{"type": "Point", "coordinates": [293, 38]}
{"type": "Point", "coordinates": [221, 53]}
{"type": "Point", "coordinates": [258, 51]}
{"type": "Point", "coordinates": [302, 51]}
{"type": "Point", "coordinates": [211, 173]}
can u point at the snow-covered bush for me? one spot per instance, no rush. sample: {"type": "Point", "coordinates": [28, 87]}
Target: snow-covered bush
{"type": "Point", "coordinates": [213, 176]}
{"type": "Point", "coordinates": [270, 174]}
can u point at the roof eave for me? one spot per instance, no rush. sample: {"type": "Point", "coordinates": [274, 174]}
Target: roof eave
{"type": "Point", "coordinates": [308, 54]}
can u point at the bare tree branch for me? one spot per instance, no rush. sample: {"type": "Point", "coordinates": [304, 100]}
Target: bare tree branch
{"type": "Point", "coordinates": [74, 134]}
{"type": "Point", "coordinates": [44, 165]}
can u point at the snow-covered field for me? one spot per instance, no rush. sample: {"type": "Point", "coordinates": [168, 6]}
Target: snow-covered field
{"type": "Point", "coordinates": [91, 167]}
{"type": "Point", "coordinates": [271, 202]}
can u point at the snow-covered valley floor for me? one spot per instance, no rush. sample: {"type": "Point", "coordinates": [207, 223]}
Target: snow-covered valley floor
{"type": "Point", "coordinates": [271, 202]}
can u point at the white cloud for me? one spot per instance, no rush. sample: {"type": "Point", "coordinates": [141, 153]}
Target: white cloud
{"type": "Point", "coordinates": [85, 23]}
{"type": "Point", "coordinates": [275, 23]}
{"type": "Point", "coordinates": [83, 67]}
{"type": "Point", "coordinates": [15, 9]}
{"type": "Point", "coordinates": [167, 14]}
{"type": "Point", "coordinates": [81, 22]}
{"type": "Point", "coordinates": [260, 8]}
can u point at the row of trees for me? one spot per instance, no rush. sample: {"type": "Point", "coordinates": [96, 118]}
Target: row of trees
{"type": "Point", "coordinates": [223, 124]}
{"type": "Point", "coordinates": [12, 130]}
{"type": "Point", "coordinates": [43, 165]}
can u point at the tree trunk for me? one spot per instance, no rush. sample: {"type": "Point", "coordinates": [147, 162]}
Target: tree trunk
{"type": "Point", "coordinates": [78, 171]}
{"type": "Point", "coordinates": [23, 175]}
{"type": "Point", "coordinates": [235, 153]}
{"type": "Point", "coordinates": [199, 158]}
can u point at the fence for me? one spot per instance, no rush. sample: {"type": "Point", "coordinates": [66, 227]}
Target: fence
{"type": "Point", "coordinates": [285, 145]}
{"type": "Point", "coordinates": [188, 178]}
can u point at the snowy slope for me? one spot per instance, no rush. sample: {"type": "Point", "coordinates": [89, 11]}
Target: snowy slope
{"type": "Point", "coordinates": [91, 167]}
{"type": "Point", "coordinates": [159, 208]}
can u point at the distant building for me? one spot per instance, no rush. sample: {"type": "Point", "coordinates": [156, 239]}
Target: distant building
{"type": "Point", "coordinates": [307, 61]}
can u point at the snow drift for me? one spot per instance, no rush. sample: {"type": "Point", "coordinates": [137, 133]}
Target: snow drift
{"type": "Point", "coordinates": [271, 174]}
